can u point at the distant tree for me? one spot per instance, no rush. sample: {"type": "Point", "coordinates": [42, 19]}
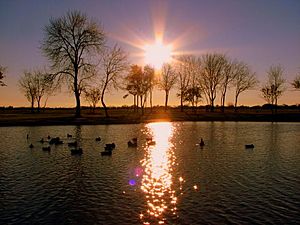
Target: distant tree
{"type": "Point", "coordinates": [230, 70]}
{"type": "Point", "coordinates": [274, 87]}
{"type": "Point", "coordinates": [188, 71]}
{"type": "Point", "coordinates": [69, 43]}
{"type": "Point", "coordinates": [36, 85]}
{"type": "Point", "coordinates": [167, 81]}
{"type": "Point", "coordinates": [149, 75]}
{"type": "Point", "coordinates": [211, 75]}
{"type": "Point", "coordinates": [296, 82]}
{"type": "Point", "coordinates": [44, 86]}
{"type": "Point", "coordinates": [93, 96]}
{"type": "Point", "coordinates": [28, 87]}
{"type": "Point", "coordinates": [132, 81]}
{"type": "Point", "coordinates": [2, 71]}
{"type": "Point", "coordinates": [184, 68]}
{"type": "Point", "coordinates": [192, 95]}
{"type": "Point", "coordinates": [113, 65]}
{"type": "Point", "coordinates": [244, 80]}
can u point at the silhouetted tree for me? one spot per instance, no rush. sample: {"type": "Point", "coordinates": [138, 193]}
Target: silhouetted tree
{"type": "Point", "coordinates": [132, 81]}
{"type": "Point", "coordinates": [44, 86]}
{"type": "Point", "coordinates": [230, 70]}
{"type": "Point", "coordinates": [113, 64]}
{"type": "Point", "coordinates": [69, 43]}
{"type": "Point", "coordinates": [167, 81]}
{"type": "Point", "coordinates": [274, 87]}
{"type": "Point", "coordinates": [212, 66]}
{"type": "Point", "coordinates": [193, 95]}
{"type": "Point", "coordinates": [35, 85]}
{"type": "Point", "coordinates": [183, 71]}
{"type": "Point", "coordinates": [244, 80]}
{"type": "Point", "coordinates": [296, 82]}
{"type": "Point", "coordinates": [93, 96]}
{"type": "Point", "coordinates": [28, 87]}
{"type": "Point", "coordinates": [2, 71]}
{"type": "Point", "coordinates": [149, 75]}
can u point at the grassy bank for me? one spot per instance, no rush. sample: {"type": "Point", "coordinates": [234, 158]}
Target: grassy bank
{"type": "Point", "coordinates": [23, 116]}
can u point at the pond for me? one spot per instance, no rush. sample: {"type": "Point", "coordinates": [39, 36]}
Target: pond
{"type": "Point", "coordinates": [167, 179]}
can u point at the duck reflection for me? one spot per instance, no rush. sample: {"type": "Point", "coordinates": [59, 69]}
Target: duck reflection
{"type": "Point", "coordinates": [158, 164]}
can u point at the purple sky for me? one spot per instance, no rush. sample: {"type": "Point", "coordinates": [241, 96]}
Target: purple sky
{"type": "Point", "coordinates": [259, 32]}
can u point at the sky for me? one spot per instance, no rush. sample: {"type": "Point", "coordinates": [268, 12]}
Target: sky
{"type": "Point", "coordinates": [259, 32]}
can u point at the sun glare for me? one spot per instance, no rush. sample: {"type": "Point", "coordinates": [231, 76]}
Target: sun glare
{"type": "Point", "coordinates": [157, 54]}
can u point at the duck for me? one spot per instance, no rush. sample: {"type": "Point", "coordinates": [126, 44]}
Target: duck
{"type": "Point", "coordinates": [109, 147]}
{"type": "Point", "coordinates": [31, 145]}
{"type": "Point", "coordinates": [48, 148]}
{"type": "Point", "coordinates": [69, 135]}
{"type": "Point", "coordinates": [73, 144]}
{"type": "Point", "coordinates": [98, 139]}
{"type": "Point", "coordinates": [76, 151]}
{"type": "Point", "coordinates": [132, 143]}
{"type": "Point", "coordinates": [249, 146]}
{"type": "Point", "coordinates": [108, 153]}
{"type": "Point", "coordinates": [201, 143]}
{"type": "Point", "coordinates": [55, 141]}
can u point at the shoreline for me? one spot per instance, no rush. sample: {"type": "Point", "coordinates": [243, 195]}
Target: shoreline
{"type": "Point", "coordinates": [54, 117]}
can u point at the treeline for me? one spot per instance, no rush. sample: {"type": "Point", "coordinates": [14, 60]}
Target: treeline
{"type": "Point", "coordinates": [80, 59]}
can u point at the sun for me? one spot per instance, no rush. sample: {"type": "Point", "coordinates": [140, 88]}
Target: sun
{"type": "Point", "coordinates": [157, 54]}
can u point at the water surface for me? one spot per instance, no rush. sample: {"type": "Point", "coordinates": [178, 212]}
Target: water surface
{"type": "Point", "coordinates": [169, 181]}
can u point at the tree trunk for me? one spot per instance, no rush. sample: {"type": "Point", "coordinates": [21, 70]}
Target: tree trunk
{"type": "Point", "coordinates": [137, 103]}
{"type": "Point", "coordinates": [235, 103]}
{"type": "Point", "coordinates": [102, 100]}
{"type": "Point", "coordinates": [32, 104]}
{"type": "Point", "coordinates": [211, 105]}
{"type": "Point", "coordinates": [134, 103]}
{"type": "Point", "coordinates": [223, 102]}
{"type": "Point", "coordinates": [39, 104]}
{"type": "Point", "coordinates": [276, 105]}
{"type": "Point", "coordinates": [181, 101]}
{"type": "Point", "coordinates": [77, 94]}
{"type": "Point", "coordinates": [151, 100]}
{"type": "Point", "coordinates": [166, 102]}
{"type": "Point", "coordinates": [142, 107]}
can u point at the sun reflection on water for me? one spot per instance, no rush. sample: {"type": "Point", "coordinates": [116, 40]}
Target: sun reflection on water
{"type": "Point", "coordinates": [158, 165]}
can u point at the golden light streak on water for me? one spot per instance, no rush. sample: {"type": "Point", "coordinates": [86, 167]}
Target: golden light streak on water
{"type": "Point", "coordinates": [158, 165]}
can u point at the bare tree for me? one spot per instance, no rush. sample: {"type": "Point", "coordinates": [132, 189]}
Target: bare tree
{"type": "Point", "coordinates": [93, 96]}
{"type": "Point", "coordinates": [274, 87]}
{"type": "Point", "coordinates": [211, 75]}
{"type": "Point", "coordinates": [244, 80]}
{"type": "Point", "coordinates": [187, 70]}
{"type": "Point", "coordinates": [193, 95]}
{"type": "Point", "coordinates": [28, 87]}
{"type": "Point", "coordinates": [182, 69]}
{"type": "Point", "coordinates": [132, 81]}
{"type": "Point", "coordinates": [230, 70]}
{"type": "Point", "coordinates": [69, 43]}
{"type": "Point", "coordinates": [114, 63]}
{"type": "Point", "coordinates": [35, 85]}
{"type": "Point", "coordinates": [44, 85]}
{"type": "Point", "coordinates": [167, 81]}
{"type": "Point", "coordinates": [2, 71]}
{"type": "Point", "coordinates": [149, 74]}
{"type": "Point", "coordinates": [296, 82]}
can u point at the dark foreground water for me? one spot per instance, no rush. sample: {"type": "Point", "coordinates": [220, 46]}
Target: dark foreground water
{"type": "Point", "coordinates": [173, 181]}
